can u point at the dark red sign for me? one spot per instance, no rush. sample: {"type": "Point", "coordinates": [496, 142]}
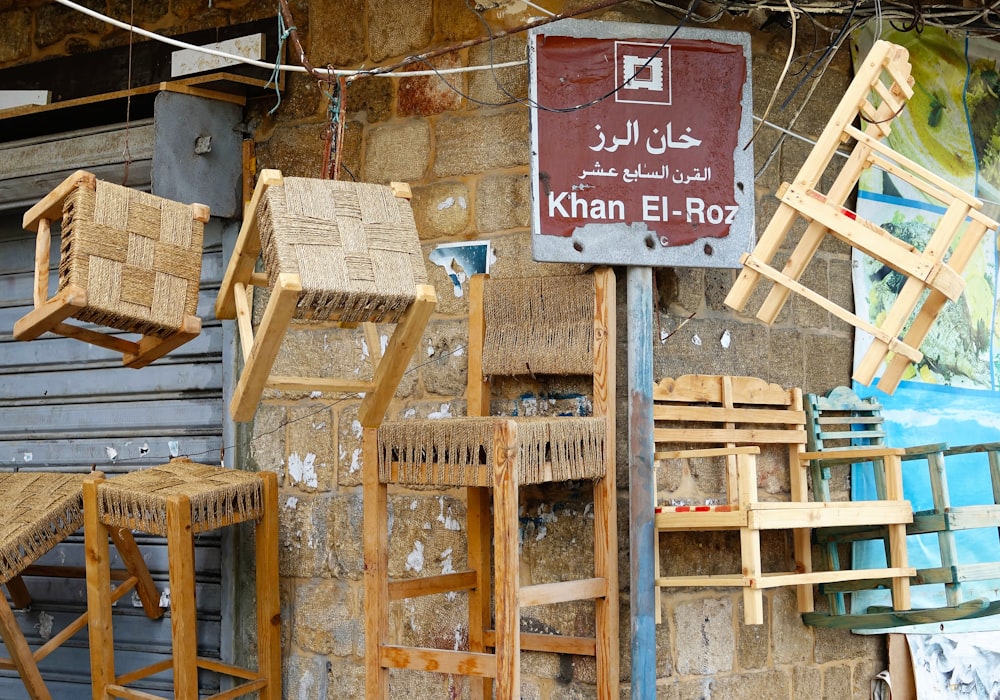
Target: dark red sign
{"type": "Point", "coordinates": [657, 150]}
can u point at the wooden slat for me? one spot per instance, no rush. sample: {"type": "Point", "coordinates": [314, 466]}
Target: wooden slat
{"type": "Point", "coordinates": [723, 414]}
{"type": "Point", "coordinates": [563, 591]}
{"type": "Point", "coordinates": [707, 452]}
{"type": "Point", "coordinates": [707, 388]}
{"type": "Point", "coordinates": [431, 585]}
{"type": "Point", "coordinates": [331, 384]}
{"type": "Point", "coordinates": [752, 436]}
{"type": "Point", "coordinates": [707, 520]}
{"type": "Point", "coordinates": [707, 581]}
{"type": "Point", "coordinates": [551, 643]}
{"type": "Point", "coordinates": [837, 514]}
{"type": "Point", "coordinates": [439, 660]}
{"type": "Point", "coordinates": [774, 580]}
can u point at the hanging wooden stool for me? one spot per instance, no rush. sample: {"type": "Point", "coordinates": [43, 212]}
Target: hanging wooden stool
{"type": "Point", "coordinates": [933, 275]}
{"type": "Point", "coordinates": [130, 261]}
{"type": "Point", "coordinates": [333, 252]}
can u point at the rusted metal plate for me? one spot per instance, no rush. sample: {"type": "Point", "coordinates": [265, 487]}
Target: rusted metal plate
{"type": "Point", "coordinates": [651, 168]}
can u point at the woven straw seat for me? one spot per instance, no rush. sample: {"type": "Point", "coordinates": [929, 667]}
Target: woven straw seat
{"type": "Point", "coordinates": [129, 261]}
{"type": "Point", "coordinates": [179, 500]}
{"type": "Point", "coordinates": [333, 251]}
{"type": "Point", "coordinates": [40, 510]}
{"type": "Point", "coordinates": [458, 451]}
{"type": "Point", "coordinates": [219, 497]}
{"type": "Point", "coordinates": [523, 327]}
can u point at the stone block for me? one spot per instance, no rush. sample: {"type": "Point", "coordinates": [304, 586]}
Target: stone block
{"type": "Point", "coordinates": [828, 361]}
{"type": "Point", "coordinates": [704, 629]}
{"type": "Point", "coordinates": [739, 686]}
{"type": "Point", "coordinates": [425, 95]}
{"type": "Point", "coordinates": [455, 20]}
{"type": "Point", "coordinates": [349, 450]}
{"type": "Point", "coordinates": [300, 99]}
{"type": "Point", "coordinates": [397, 152]}
{"type": "Point", "coordinates": [346, 679]}
{"type": "Point", "coordinates": [841, 645]}
{"type": "Point", "coordinates": [53, 22]}
{"type": "Point", "coordinates": [414, 684]}
{"type": "Point", "coordinates": [426, 535]}
{"type": "Point", "coordinates": [836, 681]}
{"type": "Point", "coordinates": [503, 202]}
{"type": "Point", "coordinates": [336, 34]}
{"type": "Point", "coordinates": [807, 682]}
{"type": "Point", "coordinates": [15, 41]}
{"type": "Point", "coordinates": [310, 464]}
{"type": "Point", "coordinates": [267, 445]}
{"type": "Point", "coordinates": [327, 617]}
{"type": "Point", "coordinates": [793, 641]}
{"type": "Point", "coordinates": [513, 259]}
{"type": "Point", "coordinates": [785, 350]}
{"type": "Point", "coordinates": [718, 282]}
{"type": "Point", "coordinates": [808, 314]}
{"type": "Point", "coordinates": [441, 209]}
{"type": "Point", "coordinates": [499, 86]}
{"type": "Point", "coordinates": [452, 291]}
{"type": "Point", "coordinates": [370, 99]}
{"type": "Point", "coordinates": [398, 29]}
{"type": "Point", "coordinates": [342, 529]}
{"type": "Point", "coordinates": [713, 346]}
{"type": "Point", "coordinates": [295, 149]}
{"type": "Point", "coordinates": [478, 142]}
{"type": "Point", "coordinates": [302, 534]}
{"type": "Point", "coordinates": [444, 358]}
{"type": "Point", "coordinates": [306, 677]}
{"type": "Point", "coordinates": [350, 150]}
{"type": "Point", "coordinates": [841, 291]}
{"type": "Point", "coordinates": [752, 647]}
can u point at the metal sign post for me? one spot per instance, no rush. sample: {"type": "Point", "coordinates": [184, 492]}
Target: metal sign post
{"type": "Point", "coordinates": [637, 160]}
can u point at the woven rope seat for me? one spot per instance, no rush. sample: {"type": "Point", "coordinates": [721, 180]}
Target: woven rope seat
{"type": "Point", "coordinates": [138, 256]}
{"type": "Point", "coordinates": [39, 511]}
{"type": "Point", "coordinates": [354, 246]}
{"type": "Point", "coordinates": [218, 496]}
{"type": "Point", "coordinates": [459, 451]}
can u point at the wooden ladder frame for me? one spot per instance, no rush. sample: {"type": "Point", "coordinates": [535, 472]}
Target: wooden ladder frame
{"type": "Point", "coordinates": [925, 270]}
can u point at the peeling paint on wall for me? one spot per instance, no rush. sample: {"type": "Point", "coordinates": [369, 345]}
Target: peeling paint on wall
{"type": "Point", "coordinates": [445, 412]}
{"type": "Point", "coordinates": [415, 559]}
{"type": "Point", "coordinates": [446, 519]}
{"type": "Point", "coordinates": [303, 471]}
{"type": "Point", "coordinates": [462, 260]}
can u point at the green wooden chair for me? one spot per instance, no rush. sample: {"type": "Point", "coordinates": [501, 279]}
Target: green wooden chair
{"type": "Point", "coordinates": [844, 425]}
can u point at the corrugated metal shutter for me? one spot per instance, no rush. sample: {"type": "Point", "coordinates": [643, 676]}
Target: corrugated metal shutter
{"type": "Point", "coordinates": [70, 406]}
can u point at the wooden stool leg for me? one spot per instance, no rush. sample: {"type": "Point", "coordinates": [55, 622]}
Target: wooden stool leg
{"type": "Point", "coordinates": [606, 567]}
{"type": "Point", "coordinates": [506, 574]}
{"type": "Point", "coordinates": [274, 324]}
{"type": "Point", "coordinates": [20, 654]}
{"type": "Point", "coordinates": [478, 526]}
{"type": "Point", "coordinates": [753, 598]}
{"type": "Point", "coordinates": [376, 543]}
{"type": "Point", "coordinates": [268, 597]}
{"type": "Point", "coordinates": [183, 613]}
{"type": "Point", "coordinates": [102, 645]}
{"type": "Point", "coordinates": [136, 566]}
{"type": "Point", "coordinates": [898, 557]}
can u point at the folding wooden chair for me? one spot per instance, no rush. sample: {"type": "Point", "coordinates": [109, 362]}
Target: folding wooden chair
{"type": "Point", "coordinates": [518, 327]}
{"type": "Point", "coordinates": [337, 252]}
{"type": "Point", "coordinates": [40, 510]}
{"type": "Point", "coordinates": [936, 270]}
{"type": "Point", "coordinates": [726, 422]}
{"type": "Point", "coordinates": [130, 261]}
{"type": "Point", "coordinates": [843, 425]}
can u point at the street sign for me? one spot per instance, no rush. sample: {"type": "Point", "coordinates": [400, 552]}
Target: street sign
{"type": "Point", "coordinates": [651, 169]}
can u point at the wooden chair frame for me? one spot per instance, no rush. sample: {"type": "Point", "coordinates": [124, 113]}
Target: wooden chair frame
{"type": "Point", "coordinates": [261, 350]}
{"type": "Point", "coordinates": [505, 638]}
{"type": "Point", "coordinates": [732, 419]}
{"type": "Point", "coordinates": [842, 417]}
{"type": "Point", "coordinates": [50, 314]}
{"type": "Point", "coordinates": [184, 662]}
{"type": "Point", "coordinates": [885, 73]}
{"type": "Point", "coordinates": [24, 660]}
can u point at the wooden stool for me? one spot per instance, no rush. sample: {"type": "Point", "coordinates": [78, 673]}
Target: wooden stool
{"type": "Point", "coordinates": [343, 252]}
{"type": "Point", "coordinates": [40, 510]}
{"type": "Point", "coordinates": [537, 326]}
{"type": "Point", "coordinates": [180, 500]}
{"type": "Point", "coordinates": [885, 74]}
{"type": "Point", "coordinates": [130, 261]}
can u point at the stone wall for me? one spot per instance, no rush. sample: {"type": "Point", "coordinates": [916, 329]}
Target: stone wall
{"type": "Point", "coordinates": [466, 158]}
